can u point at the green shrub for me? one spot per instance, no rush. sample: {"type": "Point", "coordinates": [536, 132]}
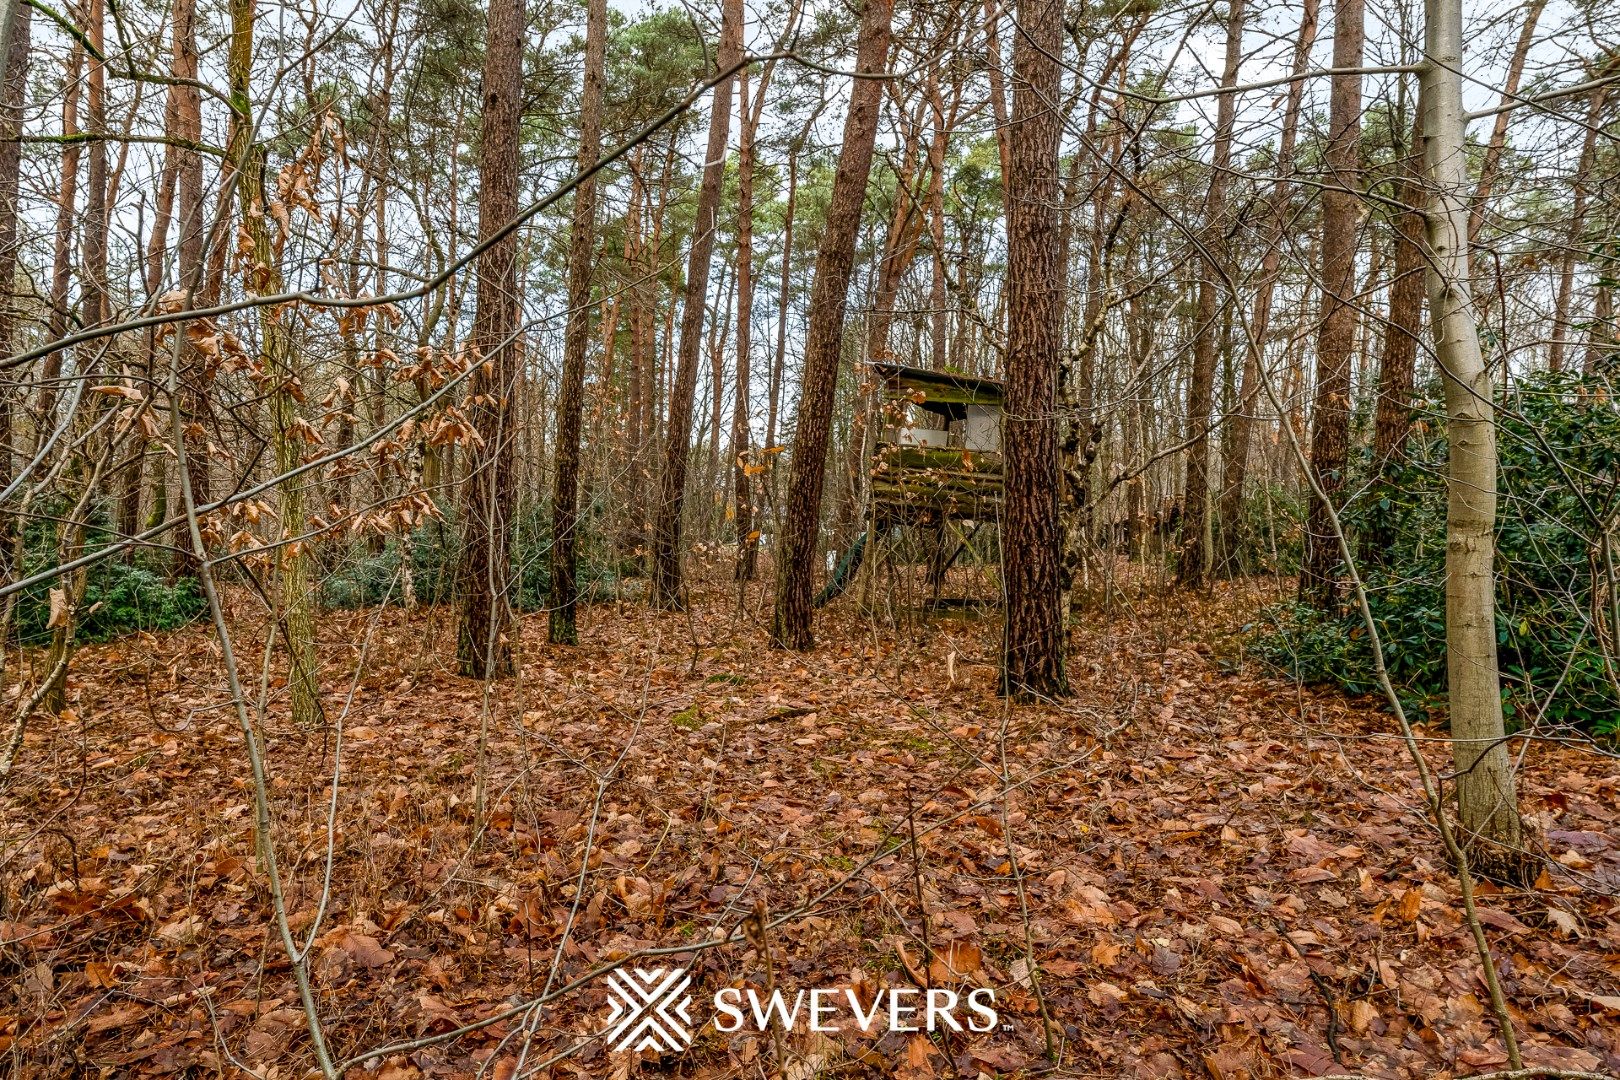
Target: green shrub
{"type": "Point", "coordinates": [1269, 536]}
{"type": "Point", "coordinates": [364, 578]}
{"type": "Point", "coordinates": [119, 597]}
{"type": "Point", "coordinates": [1559, 476]}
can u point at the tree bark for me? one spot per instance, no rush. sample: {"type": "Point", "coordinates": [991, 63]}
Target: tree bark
{"type": "Point", "coordinates": [719, 338]}
{"type": "Point", "coordinates": [634, 242]}
{"type": "Point", "coordinates": [835, 264]}
{"type": "Point", "coordinates": [741, 478]}
{"type": "Point", "coordinates": [62, 253]}
{"type": "Point", "coordinates": [1330, 421]}
{"type": "Point", "coordinates": [998, 85]}
{"type": "Point", "coordinates": [773, 403]}
{"type": "Point", "coordinates": [1487, 803]}
{"type": "Point", "coordinates": [937, 146]}
{"type": "Point", "coordinates": [1577, 225]}
{"type": "Point", "coordinates": [1393, 419]}
{"type": "Point", "coordinates": [1194, 560]}
{"type": "Point", "coordinates": [278, 363]}
{"type": "Point", "coordinates": [1033, 633]}
{"type": "Point", "coordinates": [12, 94]}
{"type": "Point", "coordinates": [668, 582]}
{"type": "Point", "coordinates": [1601, 337]}
{"type": "Point", "coordinates": [157, 246]}
{"type": "Point", "coordinates": [195, 373]}
{"type": "Point", "coordinates": [94, 308]}
{"type": "Point", "coordinates": [486, 629]}
{"type": "Point", "coordinates": [570, 399]}
{"type": "Point", "coordinates": [1239, 434]}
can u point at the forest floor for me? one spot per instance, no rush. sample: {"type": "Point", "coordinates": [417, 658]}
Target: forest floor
{"type": "Point", "coordinates": [1217, 873]}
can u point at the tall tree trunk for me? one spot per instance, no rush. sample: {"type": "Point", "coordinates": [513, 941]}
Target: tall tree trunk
{"type": "Point", "coordinates": [668, 587]}
{"type": "Point", "coordinates": [998, 84]}
{"type": "Point", "coordinates": [278, 361]}
{"type": "Point", "coordinates": [95, 310]}
{"type": "Point", "coordinates": [62, 253]}
{"type": "Point", "coordinates": [1601, 338]}
{"type": "Point", "coordinates": [1239, 435]}
{"type": "Point", "coordinates": [1577, 225]}
{"type": "Point", "coordinates": [13, 92]}
{"type": "Point", "coordinates": [937, 145]}
{"type": "Point", "coordinates": [1393, 419]}
{"type": "Point", "coordinates": [1033, 635]}
{"type": "Point", "coordinates": [581, 240]}
{"type": "Point", "coordinates": [1200, 387]}
{"type": "Point", "coordinates": [835, 264]}
{"type": "Point", "coordinates": [719, 339]}
{"type": "Point", "coordinates": [95, 298]}
{"type": "Point", "coordinates": [157, 247]}
{"type": "Point", "coordinates": [1330, 422]}
{"type": "Point", "coordinates": [634, 243]}
{"type": "Point", "coordinates": [486, 629]}
{"type": "Point", "coordinates": [195, 372]}
{"type": "Point", "coordinates": [742, 468]}
{"type": "Point", "coordinates": [773, 404]}
{"type": "Point", "coordinates": [1487, 803]}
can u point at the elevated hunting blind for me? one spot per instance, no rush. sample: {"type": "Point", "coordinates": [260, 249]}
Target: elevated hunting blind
{"type": "Point", "coordinates": [937, 457]}
{"type": "Point", "coordinates": [935, 476]}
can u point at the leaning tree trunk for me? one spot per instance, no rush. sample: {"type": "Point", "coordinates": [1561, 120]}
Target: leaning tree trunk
{"type": "Point", "coordinates": [667, 575]}
{"type": "Point", "coordinates": [1033, 637]}
{"type": "Point", "coordinates": [570, 400]}
{"type": "Point", "coordinates": [1335, 340]}
{"type": "Point", "coordinates": [483, 637]}
{"type": "Point", "coordinates": [835, 264]}
{"type": "Point", "coordinates": [1487, 804]}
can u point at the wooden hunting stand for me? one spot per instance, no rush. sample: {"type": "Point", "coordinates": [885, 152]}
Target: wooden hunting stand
{"type": "Point", "coordinates": [935, 470]}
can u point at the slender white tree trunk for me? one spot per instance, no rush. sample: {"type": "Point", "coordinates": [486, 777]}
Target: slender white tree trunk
{"type": "Point", "coordinates": [1487, 806]}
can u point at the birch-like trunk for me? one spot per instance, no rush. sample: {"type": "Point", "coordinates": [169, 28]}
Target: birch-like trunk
{"type": "Point", "coordinates": [1487, 806]}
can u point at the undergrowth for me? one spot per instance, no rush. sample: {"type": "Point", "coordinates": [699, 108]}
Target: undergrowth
{"type": "Point", "coordinates": [1556, 619]}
